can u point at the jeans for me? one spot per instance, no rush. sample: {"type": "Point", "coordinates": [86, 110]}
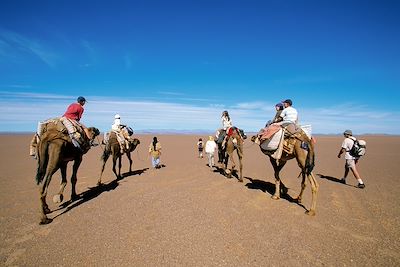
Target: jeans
{"type": "Point", "coordinates": [155, 162]}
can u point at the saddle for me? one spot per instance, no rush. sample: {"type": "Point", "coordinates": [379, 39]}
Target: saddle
{"type": "Point", "coordinates": [55, 128]}
{"type": "Point", "coordinates": [283, 141]}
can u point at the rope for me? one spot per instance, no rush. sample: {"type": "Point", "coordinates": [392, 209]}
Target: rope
{"type": "Point", "coordinates": [137, 151]}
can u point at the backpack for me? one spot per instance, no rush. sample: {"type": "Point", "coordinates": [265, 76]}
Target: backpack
{"type": "Point", "coordinates": [358, 149]}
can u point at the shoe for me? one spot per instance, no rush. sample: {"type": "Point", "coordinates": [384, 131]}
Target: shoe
{"type": "Point", "coordinates": [342, 181]}
{"type": "Point", "coordinates": [361, 186]}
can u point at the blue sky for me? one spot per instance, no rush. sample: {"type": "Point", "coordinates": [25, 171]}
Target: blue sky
{"type": "Point", "coordinates": [179, 64]}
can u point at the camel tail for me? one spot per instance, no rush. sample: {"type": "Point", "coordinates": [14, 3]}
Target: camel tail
{"type": "Point", "coordinates": [310, 160]}
{"type": "Point", "coordinates": [42, 160]}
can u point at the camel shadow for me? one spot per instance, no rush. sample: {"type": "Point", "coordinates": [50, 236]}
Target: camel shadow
{"type": "Point", "coordinates": [333, 179]}
{"type": "Point", "coordinates": [268, 187]}
{"type": "Point", "coordinates": [222, 172]}
{"type": "Point", "coordinates": [136, 172]}
{"type": "Point", "coordinates": [93, 192]}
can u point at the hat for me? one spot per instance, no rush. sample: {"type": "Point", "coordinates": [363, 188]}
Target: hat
{"type": "Point", "coordinates": [288, 101]}
{"type": "Point", "coordinates": [279, 105]}
{"type": "Point", "coordinates": [348, 132]}
{"type": "Point", "coordinates": [117, 116]}
{"type": "Point", "coordinates": [210, 138]}
{"type": "Point", "coordinates": [81, 99]}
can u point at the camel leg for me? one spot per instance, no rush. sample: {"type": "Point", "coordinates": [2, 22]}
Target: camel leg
{"type": "Point", "coordinates": [44, 208]}
{"type": "Point", "coordinates": [102, 168]}
{"type": "Point", "coordinates": [314, 191]}
{"type": "Point", "coordinates": [59, 197]}
{"type": "Point", "coordinates": [303, 187]}
{"type": "Point", "coordinates": [277, 169]}
{"type": "Point", "coordinates": [233, 161]}
{"type": "Point", "coordinates": [128, 154]}
{"type": "Point", "coordinates": [74, 178]}
{"type": "Point", "coordinates": [115, 157]}
{"type": "Point", "coordinates": [119, 166]}
{"type": "Point", "coordinates": [240, 156]}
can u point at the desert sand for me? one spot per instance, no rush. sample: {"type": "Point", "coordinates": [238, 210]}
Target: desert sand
{"type": "Point", "coordinates": [186, 214]}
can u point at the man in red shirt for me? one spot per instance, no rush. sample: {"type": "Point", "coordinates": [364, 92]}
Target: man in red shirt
{"type": "Point", "coordinates": [75, 110]}
{"type": "Point", "coordinates": [73, 115]}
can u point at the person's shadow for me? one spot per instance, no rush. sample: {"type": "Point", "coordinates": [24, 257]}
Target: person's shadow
{"type": "Point", "coordinates": [268, 187]}
{"type": "Point", "coordinates": [333, 179]}
{"type": "Point", "coordinates": [93, 192]}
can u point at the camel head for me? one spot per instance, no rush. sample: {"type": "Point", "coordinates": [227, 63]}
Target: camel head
{"type": "Point", "coordinates": [94, 132]}
{"type": "Point", "coordinates": [134, 143]}
{"type": "Point", "coordinates": [255, 139]}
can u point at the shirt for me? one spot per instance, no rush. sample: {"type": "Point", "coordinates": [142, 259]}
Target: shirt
{"type": "Point", "coordinates": [289, 114]}
{"type": "Point", "coordinates": [347, 145]}
{"type": "Point", "coordinates": [116, 125]}
{"type": "Point", "coordinates": [226, 123]}
{"type": "Point", "coordinates": [155, 153]}
{"type": "Point", "coordinates": [210, 146]}
{"type": "Point", "coordinates": [74, 112]}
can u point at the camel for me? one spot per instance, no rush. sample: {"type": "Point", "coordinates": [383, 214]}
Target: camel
{"type": "Point", "coordinates": [305, 160]}
{"type": "Point", "coordinates": [113, 148]}
{"type": "Point", "coordinates": [54, 151]}
{"type": "Point", "coordinates": [227, 153]}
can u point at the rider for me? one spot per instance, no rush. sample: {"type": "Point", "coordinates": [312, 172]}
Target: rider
{"type": "Point", "coordinates": [226, 126]}
{"type": "Point", "coordinates": [71, 119]}
{"type": "Point", "coordinates": [289, 116]}
{"type": "Point", "coordinates": [118, 129]}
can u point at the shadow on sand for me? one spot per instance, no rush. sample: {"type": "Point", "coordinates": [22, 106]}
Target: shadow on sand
{"type": "Point", "coordinates": [222, 172]}
{"type": "Point", "coordinates": [268, 187]}
{"type": "Point", "coordinates": [94, 192]}
{"type": "Point", "coordinates": [333, 179]}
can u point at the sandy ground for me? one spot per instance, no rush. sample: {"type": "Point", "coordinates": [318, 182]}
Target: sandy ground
{"type": "Point", "coordinates": [186, 214]}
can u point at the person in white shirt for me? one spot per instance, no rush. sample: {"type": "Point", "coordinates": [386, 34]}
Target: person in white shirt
{"type": "Point", "coordinates": [116, 127]}
{"type": "Point", "coordinates": [210, 150]}
{"type": "Point", "coordinates": [289, 113]}
{"type": "Point", "coordinates": [351, 162]}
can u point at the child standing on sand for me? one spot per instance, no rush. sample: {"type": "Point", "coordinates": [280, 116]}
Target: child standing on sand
{"type": "Point", "coordinates": [200, 146]}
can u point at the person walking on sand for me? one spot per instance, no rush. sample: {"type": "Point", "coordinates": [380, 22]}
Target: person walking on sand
{"type": "Point", "coordinates": [210, 150]}
{"type": "Point", "coordinates": [200, 147]}
{"type": "Point", "coordinates": [351, 162]}
{"type": "Point", "coordinates": [155, 153]}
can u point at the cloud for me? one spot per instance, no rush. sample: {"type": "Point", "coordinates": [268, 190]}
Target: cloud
{"type": "Point", "coordinates": [22, 110]}
{"type": "Point", "coordinates": [14, 45]}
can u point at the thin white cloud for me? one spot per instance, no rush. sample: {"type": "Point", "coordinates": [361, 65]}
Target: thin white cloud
{"type": "Point", "coordinates": [155, 114]}
{"type": "Point", "coordinates": [13, 44]}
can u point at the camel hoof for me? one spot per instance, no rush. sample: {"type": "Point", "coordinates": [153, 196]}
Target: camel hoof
{"type": "Point", "coordinates": [58, 198]}
{"type": "Point", "coordinates": [46, 210]}
{"type": "Point", "coordinates": [310, 212]}
{"type": "Point", "coordinates": [241, 180]}
{"type": "Point", "coordinates": [74, 197]}
{"type": "Point", "coordinates": [99, 183]}
{"type": "Point", "coordinates": [45, 221]}
{"type": "Point", "coordinates": [275, 197]}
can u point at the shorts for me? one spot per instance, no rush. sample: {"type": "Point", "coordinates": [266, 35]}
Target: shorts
{"type": "Point", "coordinates": [351, 163]}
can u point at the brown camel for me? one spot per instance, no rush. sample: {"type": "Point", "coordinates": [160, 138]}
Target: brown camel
{"type": "Point", "coordinates": [305, 160]}
{"type": "Point", "coordinates": [54, 151]}
{"type": "Point", "coordinates": [230, 147]}
{"type": "Point", "coordinates": [113, 148]}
